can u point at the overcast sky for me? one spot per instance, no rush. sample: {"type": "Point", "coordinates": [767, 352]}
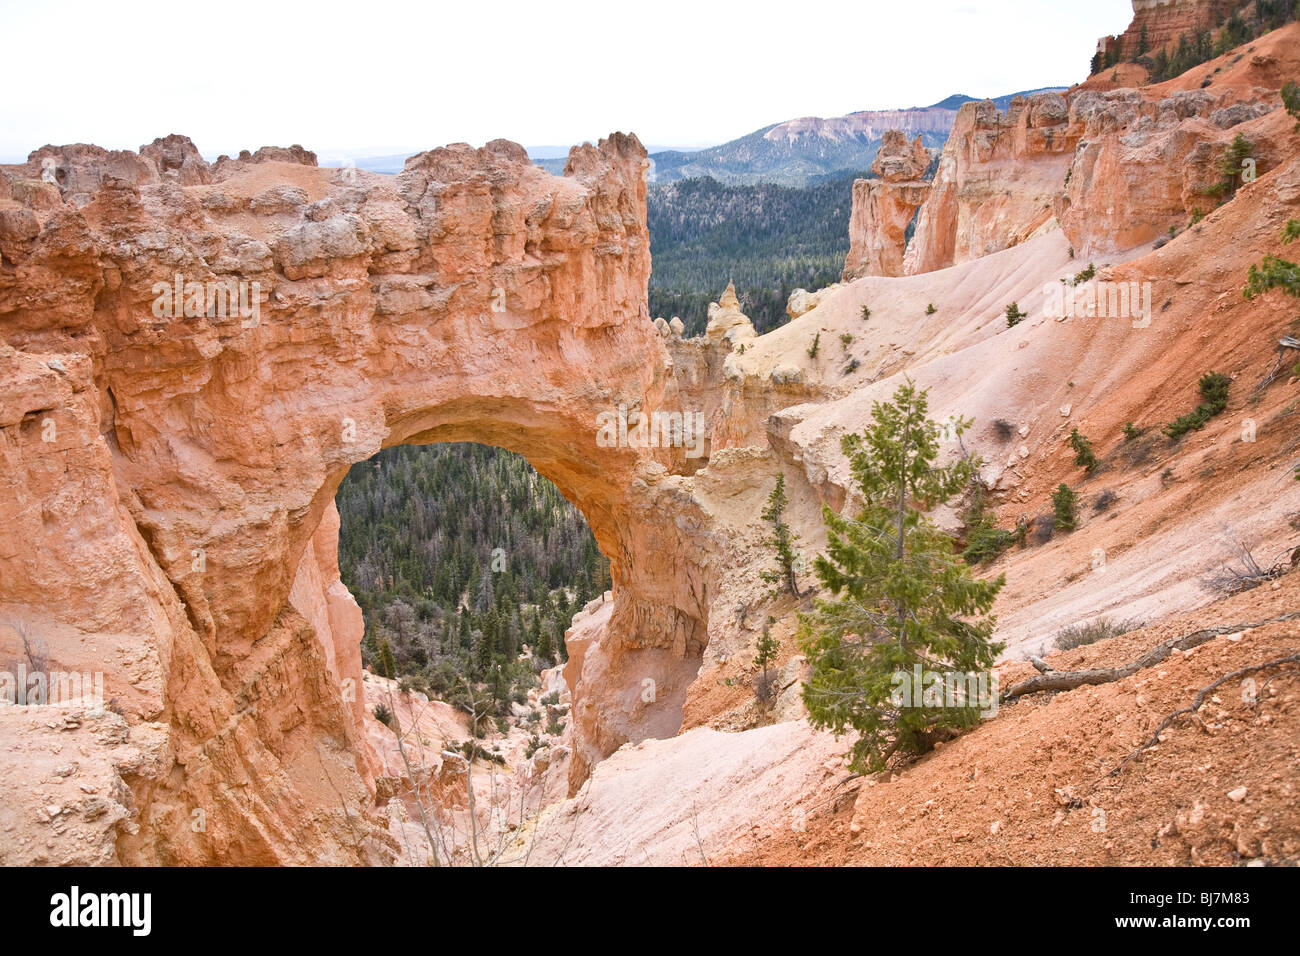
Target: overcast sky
{"type": "Point", "coordinates": [363, 77]}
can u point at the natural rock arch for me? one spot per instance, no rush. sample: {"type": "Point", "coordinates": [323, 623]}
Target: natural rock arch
{"type": "Point", "coordinates": [471, 297]}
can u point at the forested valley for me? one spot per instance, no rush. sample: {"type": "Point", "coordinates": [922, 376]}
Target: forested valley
{"type": "Point", "coordinates": [768, 239]}
{"type": "Point", "coordinates": [460, 556]}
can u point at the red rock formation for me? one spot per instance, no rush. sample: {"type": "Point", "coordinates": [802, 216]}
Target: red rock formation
{"type": "Point", "coordinates": [170, 472]}
{"type": "Point", "coordinates": [1115, 168]}
{"type": "Point", "coordinates": [997, 177]}
{"type": "Point", "coordinates": [883, 207]}
{"type": "Point", "coordinates": [1161, 23]}
{"type": "Point", "coordinates": [1146, 166]}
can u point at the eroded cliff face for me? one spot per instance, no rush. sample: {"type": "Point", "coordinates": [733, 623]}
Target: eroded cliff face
{"type": "Point", "coordinates": [1160, 23]}
{"type": "Point", "coordinates": [1149, 161]}
{"type": "Point", "coordinates": [883, 207]}
{"type": "Point", "coordinates": [997, 177]}
{"type": "Point", "coordinates": [171, 460]}
{"type": "Point", "coordinates": [1116, 169]}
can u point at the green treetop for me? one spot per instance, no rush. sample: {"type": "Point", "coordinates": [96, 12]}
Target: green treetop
{"type": "Point", "coordinates": [903, 597]}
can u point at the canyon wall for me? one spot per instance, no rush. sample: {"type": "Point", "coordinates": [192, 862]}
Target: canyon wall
{"type": "Point", "coordinates": [1160, 23]}
{"type": "Point", "coordinates": [171, 461]}
{"type": "Point", "coordinates": [868, 124]}
{"type": "Point", "coordinates": [1116, 169]}
{"type": "Point", "coordinates": [1148, 164]}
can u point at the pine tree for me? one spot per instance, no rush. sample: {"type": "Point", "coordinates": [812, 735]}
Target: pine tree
{"type": "Point", "coordinates": [483, 656]}
{"type": "Point", "coordinates": [535, 632]}
{"type": "Point", "coordinates": [1064, 507]}
{"type": "Point", "coordinates": [783, 540]}
{"type": "Point", "coordinates": [1291, 101]}
{"type": "Point", "coordinates": [1231, 165]}
{"type": "Point", "coordinates": [1160, 68]}
{"type": "Point", "coordinates": [486, 596]}
{"type": "Point", "coordinates": [557, 637]}
{"type": "Point", "coordinates": [500, 685]}
{"type": "Point", "coordinates": [1084, 456]}
{"type": "Point", "coordinates": [903, 598]}
{"type": "Point", "coordinates": [765, 652]}
{"type": "Point", "coordinates": [511, 629]}
{"type": "Point", "coordinates": [543, 650]}
{"type": "Point", "coordinates": [491, 624]}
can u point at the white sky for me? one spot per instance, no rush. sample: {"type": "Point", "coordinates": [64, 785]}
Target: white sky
{"type": "Point", "coordinates": [366, 77]}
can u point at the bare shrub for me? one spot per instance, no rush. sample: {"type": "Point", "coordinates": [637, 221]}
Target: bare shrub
{"type": "Point", "coordinates": [1105, 500]}
{"type": "Point", "coordinates": [1244, 572]}
{"type": "Point", "coordinates": [1138, 449]}
{"type": "Point", "coordinates": [1090, 632]}
{"type": "Point", "coordinates": [1043, 526]}
{"type": "Point", "coordinates": [35, 651]}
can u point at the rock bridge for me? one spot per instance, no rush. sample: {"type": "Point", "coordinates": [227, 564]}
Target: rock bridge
{"type": "Point", "coordinates": [169, 472]}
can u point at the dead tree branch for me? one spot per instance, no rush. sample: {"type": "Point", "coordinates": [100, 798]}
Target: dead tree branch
{"type": "Point", "coordinates": [1069, 680]}
{"type": "Point", "coordinates": [1201, 695]}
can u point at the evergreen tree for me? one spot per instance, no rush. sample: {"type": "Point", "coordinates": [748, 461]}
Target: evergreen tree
{"type": "Point", "coordinates": [486, 597]}
{"type": "Point", "coordinates": [483, 656]}
{"type": "Point", "coordinates": [544, 651]}
{"type": "Point", "coordinates": [903, 597]}
{"type": "Point", "coordinates": [491, 624]}
{"type": "Point", "coordinates": [783, 540]}
{"type": "Point", "coordinates": [511, 630]}
{"type": "Point", "coordinates": [535, 633]}
{"type": "Point", "coordinates": [765, 652]}
{"type": "Point", "coordinates": [1231, 165]}
{"type": "Point", "coordinates": [1064, 507]}
{"type": "Point", "coordinates": [500, 686]}
{"type": "Point", "coordinates": [557, 636]}
{"type": "Point", "coordinates": [1084, 456]}
{"type": "Point", "coordinates": [1291, 101]}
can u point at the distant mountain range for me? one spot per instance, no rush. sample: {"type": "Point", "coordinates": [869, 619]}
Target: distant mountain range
{"type": "Point", "coordinates": [800, 151]}
{"type": "Point", "coordinates": [808, 150]}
